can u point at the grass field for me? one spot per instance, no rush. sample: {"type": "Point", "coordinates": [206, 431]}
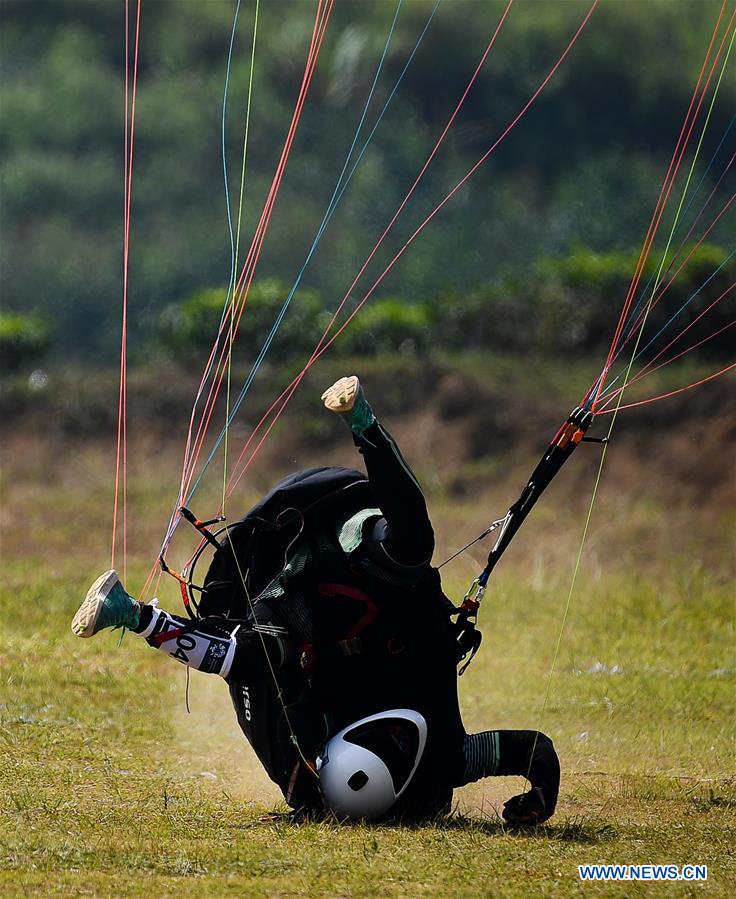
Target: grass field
{"type": "Point", "coordinates": [108, 787]}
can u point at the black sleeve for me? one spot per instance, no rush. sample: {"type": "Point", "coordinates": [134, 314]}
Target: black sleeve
{"type": "Point", "coordinates": [526, 753]}
{"type": "Point", "coordinates": [268, 642]}
{"type": "Point", "coordinates": [531, 754]}
{"type": "Point", "coordinates": [404, 536]}
{"type": "Point", "coordinates": [259, 652]}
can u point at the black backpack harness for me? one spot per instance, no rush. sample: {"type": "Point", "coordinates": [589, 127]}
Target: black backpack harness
{"type": "Point", "coordinates": [250, 553]}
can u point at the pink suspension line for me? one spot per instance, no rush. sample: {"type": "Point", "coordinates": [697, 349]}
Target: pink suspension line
{"type": "Point", "coordinates": [316, 353]}
{"type": "Point", "coordinates": [245, 279]}
{"type": "Point", "coordinates": [669, 181]}
{"type": "Point", "coordinates": [194, 445]}
{"type": "Point", "coordinates": [418, 178]}
{"type": "Point", "coordinates": [648, 370]}
{"type": "Point", "coordinates": [664, 396]}
{"type": "Point", "coordinates": [666, 287]}
{"type": "Point", "coordinates": [286, 395]}
{"type": "Point", "coordinates": [424, 168]}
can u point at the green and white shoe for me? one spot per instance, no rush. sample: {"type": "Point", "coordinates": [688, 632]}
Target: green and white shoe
{"type": "Point", "coordinates": [106, 605]}
{"type": "Point", "coordinates": [346, 398]}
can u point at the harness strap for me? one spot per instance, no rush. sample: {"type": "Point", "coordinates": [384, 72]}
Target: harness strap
{"type": "Point", "coordinates": [368, 617]}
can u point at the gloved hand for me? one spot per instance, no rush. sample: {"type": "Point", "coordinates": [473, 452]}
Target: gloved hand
{"type": "Point", "coordinates": [526, 809]}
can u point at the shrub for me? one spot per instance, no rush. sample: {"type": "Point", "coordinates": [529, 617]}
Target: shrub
{"type": "Point", "coordinates": [194, 323]}
{"type": "Point", "coordinates": [387, 326]}
{"type": "Point", "coordinates": [23, 341]}
{"type": "Point", "coordinates": [559, 304]}
{"type": "Point", "coordinates": [577, 298]}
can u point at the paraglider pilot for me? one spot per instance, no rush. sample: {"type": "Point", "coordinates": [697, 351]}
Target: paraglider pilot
{"type": "Point", "coordinates": [337, 645]}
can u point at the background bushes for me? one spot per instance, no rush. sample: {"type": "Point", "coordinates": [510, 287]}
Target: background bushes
{"type": "Point", "coordinates": [562, 304]}
{"type": "Point", "coordinates": [24, 340]}
{"type": "Point", "coordinates": [576, 180]}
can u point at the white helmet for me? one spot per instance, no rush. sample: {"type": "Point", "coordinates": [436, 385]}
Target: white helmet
{"type": "Point", "coordinates": [366, 767]}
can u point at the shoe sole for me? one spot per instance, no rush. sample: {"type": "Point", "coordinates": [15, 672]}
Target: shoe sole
{"type": "Point", "coordinates": [342, 395]}
{"type": "Point", "coordinates": [84, 622]}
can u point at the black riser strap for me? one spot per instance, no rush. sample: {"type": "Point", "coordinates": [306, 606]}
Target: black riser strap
{"type": "Point", "coordinates": [548, 466]}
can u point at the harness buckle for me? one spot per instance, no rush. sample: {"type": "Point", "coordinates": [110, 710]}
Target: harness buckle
{"type": "Point", "coordinates": [472, 599]}
{"type": "Point", "coordinates": [467, 635]}
{"type": "Point", "coordinates": [351, 646]}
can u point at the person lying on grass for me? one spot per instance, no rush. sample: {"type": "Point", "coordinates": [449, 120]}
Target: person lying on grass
{"type": "Point", "coordinates": [341, 664]}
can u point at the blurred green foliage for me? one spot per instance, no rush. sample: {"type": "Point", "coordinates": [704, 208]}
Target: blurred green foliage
{"type": "Point", "coordinates": [23, 341]}
{"type": "Point", "coordinates": [193, 324]}
{"type": "Point", "coordinates": [389, 325]}
{"type": "Point", "coordinates": [581, 170]}
{"type": "Point", "coordinates": [564, 303]}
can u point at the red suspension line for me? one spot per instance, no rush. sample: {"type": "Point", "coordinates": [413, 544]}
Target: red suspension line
{"type": "Point", "coordinates": [324, 9]}
{"type": "Point", "coordinates": [669, 180]}
{"type": "Point", "coordinates": [286, 395]}
{"type": "Point", "coordinates": [274, 185]}
{"type": "Point", "coordinates": [121, 453]}
{"type": "Point", "coordinates": [648, 370]}
{"type": "Point", "coordinates": [248, 271]}
{"type": "Point", "coordinates": [663, 396]}
{"type": "Point", "coordinates": [667, 286]}
{"type": "Point", "coordinates": [373, 252]}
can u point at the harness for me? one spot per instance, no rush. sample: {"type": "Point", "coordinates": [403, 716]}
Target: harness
{"type": "Point", "coordinates": [302, 503]}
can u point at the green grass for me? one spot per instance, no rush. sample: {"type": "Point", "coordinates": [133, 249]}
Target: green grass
{"type": "Point", "coordinates": [109, 788]}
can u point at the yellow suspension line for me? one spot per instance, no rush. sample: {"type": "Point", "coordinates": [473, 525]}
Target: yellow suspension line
{"type": "Point", "coordinates": [621, 394]}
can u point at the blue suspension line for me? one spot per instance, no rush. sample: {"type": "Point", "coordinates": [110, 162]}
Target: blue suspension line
{"type": "Point", "coordinates": [227, 185]}
{"type": "Point", "coordinates": [672, 318]}
{"type": "Point", "coordinates": [228, 69]}
{"type": "Point", "coordinates": [685, 304]}
{"type": "Point", "coordinates": [649, 283]}
{"type": "Point", "coordinates": [340, 187]}
{"type": "Point", "coordinates": [228, 209]}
